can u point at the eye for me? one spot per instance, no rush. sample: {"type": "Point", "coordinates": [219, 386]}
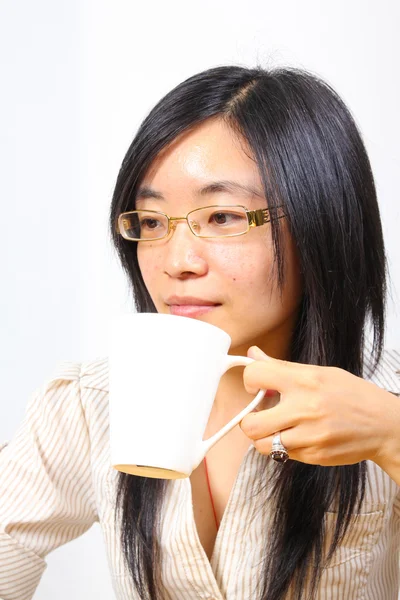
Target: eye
{"type": "Point", "coordinates": [225, 218]}
{"type": "Point", "coordinates": [149, 223]}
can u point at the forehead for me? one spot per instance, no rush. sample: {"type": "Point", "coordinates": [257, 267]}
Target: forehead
{"type": "Point", "coordinates": [208, 159]}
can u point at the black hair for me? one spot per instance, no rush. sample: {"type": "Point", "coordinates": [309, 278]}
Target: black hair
{"type": "Point", "coordinates": [312, 160]}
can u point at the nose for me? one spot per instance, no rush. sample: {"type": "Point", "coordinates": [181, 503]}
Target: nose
{"type": "Point", "coordinates": [184, 255]}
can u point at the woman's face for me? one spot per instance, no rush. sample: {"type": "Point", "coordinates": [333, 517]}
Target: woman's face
{"type": "Point", "coordinates": [232, 273]}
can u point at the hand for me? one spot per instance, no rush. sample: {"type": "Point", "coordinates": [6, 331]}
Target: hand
{"type": "Point", "coordinates": [326, 415]}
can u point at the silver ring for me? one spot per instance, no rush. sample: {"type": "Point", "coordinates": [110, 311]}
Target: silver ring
{"type": "Point", "coordinates": [278, 450]}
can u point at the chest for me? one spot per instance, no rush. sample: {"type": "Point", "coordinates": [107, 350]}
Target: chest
{"type": "Point", "coordinates": [223, 464]}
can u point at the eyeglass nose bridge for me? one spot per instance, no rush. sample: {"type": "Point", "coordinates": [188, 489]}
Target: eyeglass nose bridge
{"type": "Point", "coordinates": [172, 224]}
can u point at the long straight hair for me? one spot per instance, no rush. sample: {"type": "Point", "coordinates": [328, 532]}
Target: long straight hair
{"type": "Point", "coordinates": [312, 160]}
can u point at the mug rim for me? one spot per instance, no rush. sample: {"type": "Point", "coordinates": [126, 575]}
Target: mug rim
{"type": "Point", "coordinates": [214, 328]}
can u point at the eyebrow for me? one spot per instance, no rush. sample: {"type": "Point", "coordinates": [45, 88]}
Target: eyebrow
{"type": "Point", "coordinates": [146, 192]}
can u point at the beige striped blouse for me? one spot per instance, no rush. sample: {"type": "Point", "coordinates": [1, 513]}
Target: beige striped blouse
{"type": "Point", "coordinates": [56, 481]}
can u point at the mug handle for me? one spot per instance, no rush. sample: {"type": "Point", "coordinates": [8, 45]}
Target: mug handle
{"type": "Point", "coordinates": [232, 361]}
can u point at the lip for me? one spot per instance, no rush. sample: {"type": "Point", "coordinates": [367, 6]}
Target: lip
{"type": "Point", "coordinates": [189, 306]}
{"type": "Point", "coordinates": [190, 310]}
{"type": "Point", "coordinates": [189, 301]}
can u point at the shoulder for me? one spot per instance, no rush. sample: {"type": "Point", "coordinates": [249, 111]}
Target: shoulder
{"type": "Point", "coordinates": [75, 388]}
{"type": "Point", "coordinates": [91, 374]}
{"type": "Point", "coordinates": [386, 375]}
{"type": "Point", "coordinates": [94, 374]}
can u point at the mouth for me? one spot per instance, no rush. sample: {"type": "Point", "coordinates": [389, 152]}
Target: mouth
{"type": "Point", "coordinates": [191, 310]}
{"type": "Point", "coordinates": [190, 306]}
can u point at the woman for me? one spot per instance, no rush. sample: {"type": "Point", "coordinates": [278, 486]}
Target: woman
{"type": "Point", "coordinates": [301, 500]}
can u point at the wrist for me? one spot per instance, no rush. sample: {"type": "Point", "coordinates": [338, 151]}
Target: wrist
{"type": "Point", "coordinates": [388, 454]}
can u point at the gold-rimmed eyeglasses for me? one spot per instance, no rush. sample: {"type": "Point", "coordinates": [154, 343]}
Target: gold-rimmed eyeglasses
{"type": "Point", "coordinates": [205, 222]}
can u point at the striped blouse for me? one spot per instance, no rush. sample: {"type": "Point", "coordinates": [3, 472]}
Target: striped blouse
{"type": "Point", "coordinates": [56, 481]}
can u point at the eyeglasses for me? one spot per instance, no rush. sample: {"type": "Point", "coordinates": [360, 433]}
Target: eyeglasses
{"type": "Point", "coordinates": [206, 222]}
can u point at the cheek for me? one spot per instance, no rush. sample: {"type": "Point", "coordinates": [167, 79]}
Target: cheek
{"type": "Point", "coordinates": [243, 266]}
{"type": "Point", "coordinates": [148, 268]}
{"type": "Point", "coordinates": [228, 262]}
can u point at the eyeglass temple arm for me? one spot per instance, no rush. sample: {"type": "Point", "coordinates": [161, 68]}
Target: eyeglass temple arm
{"type": "Point", "coordinates": [260, 216]}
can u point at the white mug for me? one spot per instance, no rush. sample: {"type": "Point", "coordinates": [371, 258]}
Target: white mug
{"type": "Point", "coordinates": [164, 372]}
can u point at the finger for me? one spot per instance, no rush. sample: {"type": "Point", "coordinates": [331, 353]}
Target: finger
{"type": "Point", "coordinates": [293, 447]}
{"type": "Point", "coordinates": [256, 353]}
{"type": "Point", "coordinates": [303, 448]}
{"type": "Point", "coordinates": [264, 445]}
{"type": "Point", "coordinates": [280, 375]}
{"type": "Point", "coordinates": [258, 425]}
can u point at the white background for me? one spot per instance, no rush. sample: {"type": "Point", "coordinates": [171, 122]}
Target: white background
{"type": "Point", "coordinates": [76, 80]}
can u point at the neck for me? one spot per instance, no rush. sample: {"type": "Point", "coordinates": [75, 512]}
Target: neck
{"type": "Point", "coordinates": [231, 397]}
